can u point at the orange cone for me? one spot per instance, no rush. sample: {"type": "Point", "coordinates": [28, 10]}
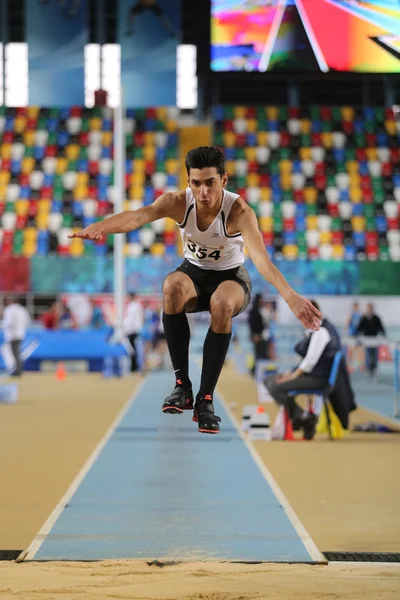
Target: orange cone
{"type": "Point", "coordinates": [61, 373]}
{"type": "Point", "coordinates": [288, 428]}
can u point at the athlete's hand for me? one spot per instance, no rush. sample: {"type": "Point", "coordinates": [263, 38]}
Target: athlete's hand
{"type": "Point", "coordinates": [93, 232]}
{"type": "Point", "coordinates": [304, 311]}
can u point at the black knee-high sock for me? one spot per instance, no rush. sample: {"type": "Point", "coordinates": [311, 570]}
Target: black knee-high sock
{"type": "Point", "coordinates": [177, 334]}
{"type": "Point", "coordinates": [214, 353]}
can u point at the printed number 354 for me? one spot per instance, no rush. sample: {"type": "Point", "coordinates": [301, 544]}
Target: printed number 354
{"type": "Point", "coordinates": [201, 252]}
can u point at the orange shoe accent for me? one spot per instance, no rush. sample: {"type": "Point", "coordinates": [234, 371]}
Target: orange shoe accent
{"type": "Point", "coordinates": [179, 381]}
{"type": "Point", "coordinates": [288, 428]}
{"type": "Point", "coordinates": [61, 373]}
{"type": "Point", "coordinates": [208, 397]}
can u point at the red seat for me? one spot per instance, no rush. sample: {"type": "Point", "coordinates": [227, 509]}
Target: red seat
{"type": "Point", "coordinates": [395, 155]}
{"type": "Point", "coordinates": [320, 168]}
{"type": "Point", "coordinates": [92, 192]}
{"type": "Point", "coordinates": [31, 124]}
{"type": "Point", "coordinates": [371, 238]}
{"type": "Point", "coordinates": [289, 224]}
{"type": "Point", "coordinates": [387, 169]}
{"type": "Point", "coordinates": [102, 208]}
{"type": "Point", "coordinates": [333, 210]}
{"type": "Point", "coordinates": [371, 139]}
{"type": "Point", "coordinates": [372, 252]}
{"type": "Point", "coordinates": [63, 250]}
{"type": "Point", "coordinates": [24, 180]}
{"type": "Point", "coordinates": [251, 113]}
{"type": "Point", "coordinates": [393, 223]}
{"type": "Point", "coordinates": [6, 164]}
{"type": "Point", "coordinates": [21, 221]}
{"type": "Point", "coordinates": [285, 139]}
{"type": "Point", "coordinates": [84, 138]}
{"type": "Point", "coordinates": [268, 237]}
{"type": "Point", "coordinates": [316, 139]}
{"type": "Point", "coordinates": [253, 167]}
{"type": "Point", "coordinates": [368, 196]}
{"type": "Point", "coordinates": [228, 125]}
{"type": "Point", "coordinates": [51, 151]}
{"type": "Point", "coordinates": [8, 137]}
{"type": "Point", "coordinates": [46, 192]}
{"type": "Point", "coordinates": [32, 208]}
{"type": "Point", "coordinates": [365, 182]}
{"type": "Point", "coordinates": [389, 114]}
{"type": "Point", "coordinates": [151, 113]}
{"type": "Point", "coordinates": [128, 180]}
{"type": "Point", "coordinates": [76, 111]}
{"type": "Point", "coordinates": [294, 112]}
{"type": "Point", "coordinates": [298, 196]}
{"type": "Point", "coordinates": [139, 139]}
{"type": "Point", "coordinates": [2, 207]}
{"type": "Point", "coordinates": [241, 140]}
{"type": "Point", "coordinates": [93, 167]}
{"type": "Point", "coordinates": [361, 154]}
{"type": "Point", "coordinates": [337, 237]}
{"type": "Point", "coordinates": [312, 253]}
{"type": "Point", "coordinates": [320, 182]}
{"type": "Point", "coordinates": [242, 193]}
{"type": "Point", "coordinates": [264, 180]}
{"type": "Point", "coordinates": [21, 111]}
{"type": "Point", "coordinates": [150, 167]}
{"type": "Point", "coordinates": [326, 113]}
{"type": "Point", "coordinates": [348, 127]}
{"type": "Point", "coordinates": [169, 238]}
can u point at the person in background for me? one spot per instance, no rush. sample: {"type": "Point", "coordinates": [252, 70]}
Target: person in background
{"type": "Point", "coordinates": [15, 323]}
{"type": "Point", "coordinates": [51, 318]}
{"type": "Point", "coordinates": [353, 321]}
{"type": "Point", "coordinates": [67, 318]}
{"type": "Point", "coordinates": [97, 319]}
{"type": "Point", "coordinates": [370, 325]}
{"type": "Point", "coordinates": [160, 342]}
{"type": "Point", "coordinates": [318, 349]}
{"type": "Point", "coordinates": [259, 330]}
{"type": "Point", "coordinates": [133, 324]}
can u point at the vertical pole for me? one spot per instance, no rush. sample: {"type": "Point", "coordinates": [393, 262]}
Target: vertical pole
{"type": "Point", "coordinates": [396, 401]}
{"type": "Point", "coordinates": [4, 39]}
{"type": "Point", "coordinates": [119, 242]}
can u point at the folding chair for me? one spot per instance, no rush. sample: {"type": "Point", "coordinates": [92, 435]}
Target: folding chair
{"type": "Point", "coordinates": [324, 393]}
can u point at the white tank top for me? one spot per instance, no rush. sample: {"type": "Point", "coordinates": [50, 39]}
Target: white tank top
{"type": "Point", "coordinates": [213, 249]}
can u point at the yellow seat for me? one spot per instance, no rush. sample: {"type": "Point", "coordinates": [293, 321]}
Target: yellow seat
{"type": "Point", "coordinates": [171, 126]}
{"type": "Point", "coordinates": [262, 138]}
{"type": "Point", "coordinates": [126, 249]}
{"type": "Point", "coordinates": [28, 164]}
{"type": "Point", "coordinates": [29, 137]}
{"type": "Point", "coordinates": [325, 237]}
{"type": "Point", "coordinates": [30, 235]}
{"type": "Point", "coordinates": [44, 206]}
{"type": "Point", "coordinates": [305, 126]}
{"type": "Point", "coordinates": [138, 165]}
{"type": "Point", "coordinates": [265, 194]}
{"type": "Point", "coordinates": [77, 247]}
{"type": "Point", "coordinates": [149, 152]}
{"type": "Point", "coordinates": [62, 164]}
{"type": "Point", "coordinates": [290, 251]}
{"type": "Point", "coordinates": [171, 166]}
{"type": "Point", "coordinates": [149, 138]}
{"type": "Point", "coordinates": [161, 113]}
{"type": "Point", "coordinates": [157, 249]}
{"type": "Point", "coordinates": [252, 125]}
{"type": "Point", "coordinates": [6, 151]}
{"type": "Point", "coordinates": [272, 113]}
{"type": "Point", "coordinates": [312, 222]}
{"type": "Point", "coordinates": [266, 224]}
{"type": "Point", "coordinates": [250, 154]}
{"type": "Point", "coordinates": [136, 192]}
{"type": "Point", "coordinates": [95, 124]}
{"type": "Point", "coordinates": [29, 249]}
{"type": "Point", "coordinates": [239, 112]}
{"type": "Point", "coordinates": [347, 113]}
{"type": "Point", "coordinates": [229, 139]}
{"type": "Point", "coordinates": [126, 204]}
{"type": "Point", "coordinates": [230, 167]}
{"type": "Point", "coordinates": [390, 126]}
{"type": "Point", "coordinates": [286, 182]}
{"type": "Point", "coordinates": [72, 151]}
{"type": "Point", "coordinates": [170, 225]}
{"type": "Point", "coordinates": [354, 179]}
{"type": "Point", "coordinates": [80, 192]}
{"type": "Point", "coordinates": [42, 221]}
{"type": "Point", "coordinates": [253, 179]}
{"type": "Point", "coordinates": [371, 153]}
{"type": "Point", "coordinates": [138, 178]}
{"type": "Point", "coordinates": [305, 153]}
{"type": "Point", "coordinates": [355, 194]}
{"type": "Point", "coordinates": [326, 138]}
{"type": "Point", "coordinates": [310, 195]}
{"type": "Point", "coordinates": [352, 166]}
{"type": "Point", "coordinates": [337, 251]}
{"type": "Point", "coordinates": [82, 178]}
{"type": "Point", "coordinates": [4, 177]}
{"type": "Point", "coordinates": [33, 112]}
{"type": "Point", "coordinates": [3, 192]}
{"type": "Point", "coordinates": [19, 124]}
{"type": "Point", "coordinates": [358, 224]}
{"type": "Point", "coordinates": [246, 252]}
{"type": "Point", "coordinates": [21, 207]}
{"type": "Point", "coordinates": [285, 166]}
{"type": "Point", "coordinates": [107, 138]}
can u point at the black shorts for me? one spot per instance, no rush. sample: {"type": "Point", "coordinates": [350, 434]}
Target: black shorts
{"type": "Point", "coordinates": [206, 282]}
{"type": "Point", "coordinates": [139, 8]}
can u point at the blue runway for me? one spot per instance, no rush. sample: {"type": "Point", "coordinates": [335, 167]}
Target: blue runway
{"type": "Point", "coordinates": [159, 489]}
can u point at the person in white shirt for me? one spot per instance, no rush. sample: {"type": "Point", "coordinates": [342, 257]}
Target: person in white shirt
{"type": "Point", "coordinates": [133, 324]}
{"type": "Point", "coordinates": [318, 349]}
{"type": "Point", "coordinates": [15, 323]}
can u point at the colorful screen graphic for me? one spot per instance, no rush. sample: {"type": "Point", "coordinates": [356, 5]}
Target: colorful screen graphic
{"type": "Point", "coordinates": [305, 35]}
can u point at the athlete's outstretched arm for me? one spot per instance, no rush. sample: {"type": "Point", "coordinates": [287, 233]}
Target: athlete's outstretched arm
{"type": "Point", "coordinates": [129, 220]}
{"type": "Point", "coordinates": [246, 222]}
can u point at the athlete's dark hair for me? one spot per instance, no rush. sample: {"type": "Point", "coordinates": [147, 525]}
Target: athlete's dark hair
{"type": "Point", "coordinates": [205, 156]}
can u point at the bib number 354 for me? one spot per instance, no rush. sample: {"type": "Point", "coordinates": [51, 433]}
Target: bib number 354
{"type": "Point", "coordinates": [201, 253]}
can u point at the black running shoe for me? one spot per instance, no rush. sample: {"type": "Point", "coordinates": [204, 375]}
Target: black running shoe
{"type": "Point", "coordinates": [309, 425]}
{"type": "Point", "coordinates": [181, 399]}
{"type": "Point", "coordinates": [203, 414]}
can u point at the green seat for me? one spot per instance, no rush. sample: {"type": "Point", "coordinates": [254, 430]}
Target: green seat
{"type": "Point", "coordinates": [89, 249]}
{"type": "Point", "coordinates": [96, 112]}
{"type": "Point", "coordinates": [73, 164]}
{"type": "Point", "coordinates": [370, 224]}
{"type": "Point", "coordinates": [9, 207]}
{"type": "Point", "coordinates": [138, 153]}
{"type": "Point", "coordinates": [160, 166]}
{"type": "Point", "coordinates": [83, 153]}
{"type": "Point", "coordinates": [262, 123]}
{"type": "Point", "coordinates": [228, 112]}
{"type": "Point", "coordinates": [288, 195]}
{"type": "Point", "coordinates": [379, 114]}
{"type": "Point", "coordinates": [52, 139]}
{"type": "Point", "coordinates": [274, 167]}
{"type": "Point", "coordinates": [29, 151]}
{"type": "Point", "coordinates": [341, 168]}
{"type": "Point", "coordinates": [336, 224]}
{"type": "Point", "coordinates": [85, 125]}
{"type": "Point", "coordinates": [326, 126]}
{"type": "Point", "coordinates": [54, 112]}
{"type": "Point", "coordinates": [359, 139]}
{"type": "Point", "coordinates": [172, 153]}
{"type": "Point", "coordinates": [369, 210]}
{"type": "Point", "coordinates": [305, 140]}
{"type": "Point", "coordinates": [2, 111]}
{"type": "Point", "coordinates": [42, 123]}
{"type": "Point", "coordinates": [240, 154]}
{"type": "Point", "coordinates": [384, 253]}
{"type": "Point", "coordinates": [336, 113]}
{"type": "Point", "coordinates": [219, 139]}
{"type": "Point", "coordinates": [160, 125]}
{"type": "Point", "coordinates": [278, 226]}
{"type": "Point", "coordinates": [283, 113]}
{"type": "Point", "coordinates": [277, 213]}
{"type": "Point", "coordinates": [311, 209]}
{"type": "Point", "coordinates": [241, 181]}
{"type": "Point", "coordinates": [315, 113]}
{"type": "Point", "coordinates": [284, 153]}
{"type": "Point", "coordinates": [256, 207]}
{"type": "Point", "coordinates": [350, 154]}
{"type": "Point", "coordinates": [369, 126]}
{"type": "Point", "coordinates": [67, 220]}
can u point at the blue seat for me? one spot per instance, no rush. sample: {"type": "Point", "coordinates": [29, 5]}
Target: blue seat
{"type": "Point", "coordinates": [324, 393]}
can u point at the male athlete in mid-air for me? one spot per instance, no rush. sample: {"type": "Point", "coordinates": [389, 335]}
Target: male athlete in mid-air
{"type": "Point", "coordinates": [215, 225]}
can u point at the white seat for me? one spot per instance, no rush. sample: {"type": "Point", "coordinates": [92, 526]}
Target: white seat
{"type": "Point", "coordinates": [49, 165]}
{"type": "Point", "coordinates": [338, 139]}
{"type": "Point", "coordinates": [161, 139]}
{"type": "Point", "coordinates": [1, 235]}
{"type": "Point", "coordinates": [375, 168]}
{"type": "Point", "coordinates": [288, 209]}
{"type": "Point", "coordinates": [241, 167]}
{"type": "Point", "coordinates": [345, 210]}
{"type": "Point", "coordinates": [135, 204]}
{"type": "Point", "coordinates": [130, 126]}
{"type": "Point", "coordinates": [173, 113]}
{"type": "Point", "coordinates": [274, 139]}
{"type": "Point", "coordinates": [342, 181]}
{"type": "Point", "coordinates": [294, 126]}
{"type": "Point", "coordinates": [325, 251]}
{"type": "Point", "coordinates": [12, 192]}
{"type": "Point", "coordinates": [396, 192]}
{"type": "Point", "coordinates": [106, 112]}
{"type": "Point", "coordinates": [95, 138]}
{"type": "Point", "coordinates": [36, 180]}
{"type": "Point", "coordinates": [298, 181]}
{"type": "Point", "coordinates": [135, 249]}
{"type": "Point", "coordinates": [312, 238]}
{"type": "Point", "coordinates": [262, 154]}
{"type": "Point", "coordinates": [62, 236]}
{"type": "Point", "coordinates": [318, 154]}
{"type": "Point", "coordinates": [146, 236]}
{"type": "Point", "coordinates": [8, 221]}
{"type": "Point", "coordinates": [393, 237]}
{"type": "Point", "coordinates": [308, 167]}
{"type": "Point", "coordinates": [89, 207]}
{"type": "Point", "coordinates": [253, 194]}
{"type": "Point", "coordinates": [69, 180]}
{"type": "Point", "coordinates": [240, 125]}
{"type": "Point", "coordinates": [55, 220]}
{"type": "Point", "coordinates": [111, 194]}
{"type": "Point", "coordinates": [171, 189]}
{"type": "Point", "coordinates": [159, 180]}
{"type": "Point", "coordinates": [17, 151]}
{"type": "Point", "coordinates": [383, 154]}
{"type": "Point", "coordinates": [94, 152]}
{"type": "Point", "coordinates": [391, 209]}
{"type": "Point", "coordinates": [394, 252]}
{"type": "Point", "coordinates": [159, 225]}
{"type": "Point", "coordinates": [332, 195]}
{"type": "Point", "coordinates": [265, 207]}
{"type": "Point", "coordinates": [2, 123]}
{"type": "Point", "coordinates": [324, 222]}
{"type": "Point", "coordinates": [74, 125]}
{"type": "Point", "coordinates": [41, 137]}
{"type": "Point", "coordinates": [105, 166]}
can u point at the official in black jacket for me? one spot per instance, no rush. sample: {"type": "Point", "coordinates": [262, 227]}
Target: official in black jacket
{"type": "Point", "coordinates": [371, 326]}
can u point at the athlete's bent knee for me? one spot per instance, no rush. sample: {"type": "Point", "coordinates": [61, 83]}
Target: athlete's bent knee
{"type": "Point", "coordinates": [175, 292]}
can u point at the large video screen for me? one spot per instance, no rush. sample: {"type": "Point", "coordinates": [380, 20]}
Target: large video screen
{"type": "Point", "coordinates": [305, 35]}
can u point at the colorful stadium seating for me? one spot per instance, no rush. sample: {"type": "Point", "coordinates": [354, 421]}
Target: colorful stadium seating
{"type": "Point", "coordinates": [324, 182]}
{"type": "Point", "coordinates": [56, 175]}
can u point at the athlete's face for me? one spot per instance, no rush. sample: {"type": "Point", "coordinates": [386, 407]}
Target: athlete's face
{"type": "Point", "coordinates": [206, 185]}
